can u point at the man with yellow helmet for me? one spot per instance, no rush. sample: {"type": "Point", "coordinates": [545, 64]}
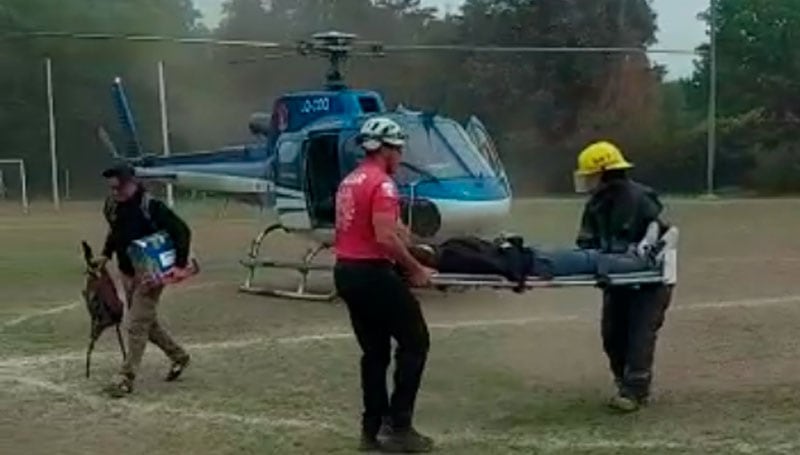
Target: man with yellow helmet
{"type": "Point", "coordinates": [615, 219]}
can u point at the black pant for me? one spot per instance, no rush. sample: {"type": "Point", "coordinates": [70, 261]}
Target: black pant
{"type": "Point", "coordinates": [382, 307]}
{"type": "Point", "coordinates": [632, 318]}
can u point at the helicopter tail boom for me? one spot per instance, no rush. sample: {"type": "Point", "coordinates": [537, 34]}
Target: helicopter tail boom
{"type": "Point", "coordinates": [216, 183]}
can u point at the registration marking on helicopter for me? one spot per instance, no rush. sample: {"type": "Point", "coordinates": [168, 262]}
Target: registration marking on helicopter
{"type": "Point", "coordinates": [310, 106]}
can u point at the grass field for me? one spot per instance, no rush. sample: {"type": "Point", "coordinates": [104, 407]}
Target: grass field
{"type": "Point", "coordinates": [507, 373]}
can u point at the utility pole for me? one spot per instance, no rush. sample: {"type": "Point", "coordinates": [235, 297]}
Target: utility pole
{"type": "Point", "coordinates": [52, 122]}
{"type": "Point", "coordinates": [67, 192]}
{"type": "Point", "coordinates": [712, 102]}
{"type": "Point", "coordinates": [162, 97]}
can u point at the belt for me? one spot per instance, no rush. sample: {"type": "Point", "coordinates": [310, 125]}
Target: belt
{"type": "Point", "coordinates": [383, 263]}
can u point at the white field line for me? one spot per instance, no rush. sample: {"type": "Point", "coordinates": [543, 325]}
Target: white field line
{"type": "Point", "coordinates": [744, 303]}
{"type": "Point", "coordinates": [162, 409]}
{"type": "Point", "coordinates": [678, 199]}
{"type": "Point", "coordinates": [540, 443]}
{"type": "Point", "coordinates": [75, 304]}
{"type": "Point", "coordinates": [28, 361]}
{"type": "Point", "coordinates": [566, 444]}
{"type": "Point", "coordinates": [39, 313]}
{"type": "Point", "coordinates": [739, 260]}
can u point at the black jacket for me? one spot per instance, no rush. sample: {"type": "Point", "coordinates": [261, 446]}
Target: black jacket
{"type": "Point", "coordinates": [128, 221]}
{"type": "Point", "coordinates": [474, 256]}
{"type": "Point", "coordinates": [617, 216]}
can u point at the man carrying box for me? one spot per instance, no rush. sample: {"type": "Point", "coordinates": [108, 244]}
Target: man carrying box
{"type": "Point", "coordinates": [132, 214]}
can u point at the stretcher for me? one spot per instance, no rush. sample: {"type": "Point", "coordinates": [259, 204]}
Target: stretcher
{"type": "Point", "coordinates": [664, 271]}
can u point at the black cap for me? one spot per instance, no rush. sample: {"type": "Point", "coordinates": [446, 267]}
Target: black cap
{"type": "Point", "coordinates": [120, 171]}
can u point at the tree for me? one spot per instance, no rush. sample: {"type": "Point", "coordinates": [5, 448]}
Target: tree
{"type": "Point", "coordinates": [758, 59]}
{"type": "Point", "coordinates": [82, 74]}
{"type": "Point", "coordinates": [552, 103]}
{"type": "Point", "coordinates": [758, 49]}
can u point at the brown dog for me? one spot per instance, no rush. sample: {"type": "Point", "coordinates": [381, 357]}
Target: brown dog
{"type": "Point", "coordinates": [104, 305]}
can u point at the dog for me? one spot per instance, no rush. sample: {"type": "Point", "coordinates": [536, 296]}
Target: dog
{"type": "Point", "coordinates": [103, 303]}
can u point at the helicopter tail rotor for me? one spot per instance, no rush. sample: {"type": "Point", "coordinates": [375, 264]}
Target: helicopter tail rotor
{"type": "Point", "coordinates": [133, 144]}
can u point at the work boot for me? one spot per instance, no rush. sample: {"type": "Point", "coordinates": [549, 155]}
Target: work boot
{"type": "Point", "coordinates": [371, 436]}
{"type": "Point", "coordinates": [407, 441]}
{"type": "Point", "coordinates": [625, 404]}
{"type": "Point", "coordinates": [386, 429]}
{"type": "Point", "coordinates": [369, 443]}
{"type": "Point", "coordinates": [177, 368]}
{"type": "Point", "coordinates": [120, 387]}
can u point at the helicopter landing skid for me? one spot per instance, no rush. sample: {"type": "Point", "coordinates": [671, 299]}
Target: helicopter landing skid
{"type": "Point", "coordinates": [253, 262]}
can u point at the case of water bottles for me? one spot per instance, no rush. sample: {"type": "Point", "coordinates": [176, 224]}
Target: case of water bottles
{"type": "Point", "coordinates": [153, 257]}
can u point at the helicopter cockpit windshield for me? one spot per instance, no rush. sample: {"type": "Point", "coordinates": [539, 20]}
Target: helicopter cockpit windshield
{"type": "Point", "coordinates": [439, 149]}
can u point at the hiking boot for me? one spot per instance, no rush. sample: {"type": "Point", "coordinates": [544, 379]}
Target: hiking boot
{"type": "Point", "coordinates": [385, 430]}
{"type": "Point", "coordinates": [624, 404]}
{"type": "Point", "coordinates": [177, 368]}
{"type": "Point", "coordinates": [120, 388]}
{"type": "Point", "coordinates": [407, 441]}
{"type": "Point", "coordinates": [369, 443]}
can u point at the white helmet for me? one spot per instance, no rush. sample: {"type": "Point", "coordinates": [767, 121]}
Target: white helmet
{"type": "Point", "coordinates": [381, 130]}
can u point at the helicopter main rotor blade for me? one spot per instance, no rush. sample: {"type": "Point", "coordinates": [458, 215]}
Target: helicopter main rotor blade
{"type": "Point", "coordinates": [354, 49]}
{"type": "Point", "coordinates": [145, 39]}
{"type": "Point", "coordinates": [531, 49]}
{"type": "Point", "coordinates": [251, 60]}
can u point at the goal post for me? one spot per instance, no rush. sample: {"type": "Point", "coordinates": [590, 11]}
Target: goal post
{"type": "Point", "coordinates": [23, 179]}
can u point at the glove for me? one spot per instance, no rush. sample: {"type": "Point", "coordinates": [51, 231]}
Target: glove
{"type": "Point", "coordinates": [648, 247]}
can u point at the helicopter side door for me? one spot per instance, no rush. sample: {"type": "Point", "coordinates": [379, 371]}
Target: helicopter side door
{"type": "Point", "coordinates": [322, 175]}
{"type": "Point", "coordinates": [479, 134]}
{"type": "Point", "coordinates": [290, 200]}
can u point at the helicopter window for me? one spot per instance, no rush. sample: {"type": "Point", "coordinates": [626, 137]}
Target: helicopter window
{"type": "Point", "coordinates": [466, 149]}
{"type": "Point", "coordinates": [288, 155]}
{"type": "Point", "coordinates": [368, 104]}
{"type": "Point", "coordinates": [486, 146]}
{"type": "Point", "coordinates": [444, 151]}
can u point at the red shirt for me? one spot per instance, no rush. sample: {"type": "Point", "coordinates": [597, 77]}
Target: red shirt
{"type": "Point", "coordinates": [367, 191]}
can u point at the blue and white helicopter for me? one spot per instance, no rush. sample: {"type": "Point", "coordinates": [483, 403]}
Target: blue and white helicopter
{"type": "Point", "coordinates": [452, 180]}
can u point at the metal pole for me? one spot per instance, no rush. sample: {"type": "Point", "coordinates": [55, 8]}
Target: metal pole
{"type": "Point", "coordinates": [162, 95]}
{"type": "Point", "coordinates": [66, 184]}
{"type": "Point", "coordinates": [712, 103]}
{"type": "Point", "coordinates": [23, 179]}
{"type": "Point", "coordinates": [52, 119]}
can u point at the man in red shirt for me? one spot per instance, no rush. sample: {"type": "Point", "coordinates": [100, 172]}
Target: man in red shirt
{"type": "Point", "coordinates": [371, 242]}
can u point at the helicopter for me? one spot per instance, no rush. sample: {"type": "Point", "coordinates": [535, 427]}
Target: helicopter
{"type": "Point", "coordinates": [451, 180]}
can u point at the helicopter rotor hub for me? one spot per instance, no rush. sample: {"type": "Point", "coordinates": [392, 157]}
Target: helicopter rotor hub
{"type": "Point", "coordinates": [336, 47]}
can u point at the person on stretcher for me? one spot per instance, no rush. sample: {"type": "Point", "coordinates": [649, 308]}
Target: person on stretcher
{"type": "Point", "coordinates": [511, 258]}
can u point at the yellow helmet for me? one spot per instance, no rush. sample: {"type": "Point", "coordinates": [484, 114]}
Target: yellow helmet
{"type": "Point", "coordinates": [599, 157]}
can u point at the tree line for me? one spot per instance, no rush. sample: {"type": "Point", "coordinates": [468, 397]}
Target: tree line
{"type": "Point", "coordinates": [542, 108]}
